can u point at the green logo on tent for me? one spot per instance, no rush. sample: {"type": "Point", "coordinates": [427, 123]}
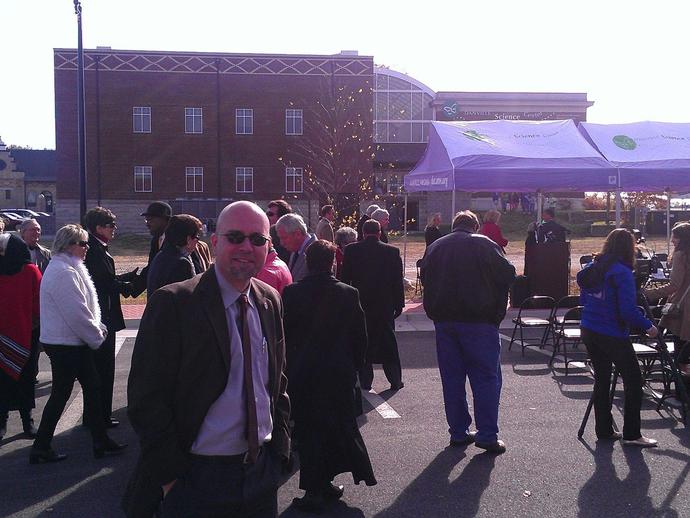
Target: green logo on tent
{"type": "Point", "coordinates": [473, 135]}
{"type": "Point", "coordinates": [624, 142]}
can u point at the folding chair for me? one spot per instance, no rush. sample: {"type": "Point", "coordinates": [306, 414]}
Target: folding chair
{"type": "Point", "coordinates": [585, 260]}
{"type": "Point", "coordinates": [556, 319]}
{"type": "Point", "coordinates": [528, 317]}
{"type": "Point", "coordinates": [567, 331]}
{"type": "Point", "coordinates": [418, 288]}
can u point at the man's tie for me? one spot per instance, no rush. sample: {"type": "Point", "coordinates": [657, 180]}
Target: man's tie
{"type": "Point", "coordinates": [293, 260]}
{"type": "Point", "coordinates": [252, 421]}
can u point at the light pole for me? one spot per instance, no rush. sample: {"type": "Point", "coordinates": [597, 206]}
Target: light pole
{"type": "Point", "coordinates": [81, 114]}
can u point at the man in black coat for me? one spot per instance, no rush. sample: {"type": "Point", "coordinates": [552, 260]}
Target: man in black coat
{"type": "Point", "coordinates": [326, 334]}
{"type": "Point", "coordinates": [100, 223]}
{"type": "Point", "coordinates": [202, 346]}
{"type": "Point", "coordinates": [157, 216]}
{"type": "Point", "coordinates": [375, 269]}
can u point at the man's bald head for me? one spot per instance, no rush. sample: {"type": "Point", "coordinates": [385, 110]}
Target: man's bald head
{"type": "Point", "coordinates": [239, 262]}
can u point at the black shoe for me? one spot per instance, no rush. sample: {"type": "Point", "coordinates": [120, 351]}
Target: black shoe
{"type": "Point", "coordinates": [310, 502]}
{"type": "Point", "coordinates": [468, 439]}
{"type": "Point", "coordinates": [109, 447]}
{"type": "Point", "coordinates": [44, 456]}
{"type": "Point", "coordinates": [111, 423]}
{"type": "Point", "coordinates": [397, 386]}
{"type": "Point", "coordinates": [497, 447]}
{"type": "Point", "coordinates": [333, 492]}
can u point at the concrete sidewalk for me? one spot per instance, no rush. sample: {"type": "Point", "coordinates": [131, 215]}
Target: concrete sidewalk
{"type": "Point", "coordinates": [413, 317]}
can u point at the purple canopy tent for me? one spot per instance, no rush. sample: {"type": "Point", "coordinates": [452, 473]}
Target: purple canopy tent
{"type": "Point", "coordinates": [650, 156]}
{"type": "Point", "coordinates": [519, 156]}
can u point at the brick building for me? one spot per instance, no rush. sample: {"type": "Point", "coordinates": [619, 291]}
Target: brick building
{"type": "Point", "coordinates": [200, 130]}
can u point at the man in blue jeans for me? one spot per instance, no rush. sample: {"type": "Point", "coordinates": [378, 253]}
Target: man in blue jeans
{"type": "Point", "coordinates": [466, 279]}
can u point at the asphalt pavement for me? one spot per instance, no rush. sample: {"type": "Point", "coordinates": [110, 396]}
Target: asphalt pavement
{"type": "Point", "coordinates": [546, 472]}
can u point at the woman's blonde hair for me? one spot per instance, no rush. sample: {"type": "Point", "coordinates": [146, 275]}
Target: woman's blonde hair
{"type": "Point", "coordinates": [432, 219]}
{"type": "Point", "coordinates": [68, 235]}
{"type": "Point", "coordinates": [492, 216]}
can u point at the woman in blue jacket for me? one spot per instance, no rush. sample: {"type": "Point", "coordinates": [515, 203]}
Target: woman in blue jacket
{"type": "Point", "coordinates": [607, 292]}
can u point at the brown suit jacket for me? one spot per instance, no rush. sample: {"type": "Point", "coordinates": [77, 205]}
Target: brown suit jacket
{"type": "Point", "coordinates": [180, 367]}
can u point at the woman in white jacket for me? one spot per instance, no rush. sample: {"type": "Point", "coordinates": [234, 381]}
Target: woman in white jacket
{"type": "Point", "coordinates": [71, 330]}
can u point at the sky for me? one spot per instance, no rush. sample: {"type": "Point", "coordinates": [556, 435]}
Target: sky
{"type": "Point", "coordinates": [629, 57]}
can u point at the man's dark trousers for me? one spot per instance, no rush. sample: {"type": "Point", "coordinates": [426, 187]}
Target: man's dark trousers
{"type": "Point", "coordinates": [223, 486]}
{"type": "Point", "coordinates": [104, 359]}
{"type": "Point", "coordinates": [470, 350]}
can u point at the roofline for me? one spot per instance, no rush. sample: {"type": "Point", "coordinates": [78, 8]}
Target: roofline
{"type": "Point", "coordinates": [102, 50]}
{"type": "Point", "coordinates": [380, 69]}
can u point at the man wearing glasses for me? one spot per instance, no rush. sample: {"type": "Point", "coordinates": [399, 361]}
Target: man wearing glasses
{"type": "Point", "coordinates": [207, 386]}
{"type": "Point", "coordinates": [100, 223]}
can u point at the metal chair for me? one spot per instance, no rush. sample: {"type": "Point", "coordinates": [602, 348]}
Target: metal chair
{"type": "Point", "coordinates": [568, 330]}
{"type": "Point", "coordinates": [556, 319]}
{"type": "Point", "coordinates": [526, 318]}
{"type": "Point", "coordinates": [418, 288]}
{"type": "Point", "coordinates": [585, 260]}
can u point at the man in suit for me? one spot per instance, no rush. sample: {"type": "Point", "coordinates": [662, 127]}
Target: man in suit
{"type": "Point", "coordinates": [157, 215]}
{"type": "Point", "coordinates": [295, 237]}
{"type": "Point", "coordinates": [549, 231]}
{"type": "Point", "coordinates": [100, 223]}
{"type": "Point", "coordinates": [276, 210]}
{"type": "Point", "coordinates": [324, 228]}
{"type": "Point", "coordinates": [30, 232]}
{"type": "Point", "coordinates": [366, 216]}
{"type": "Point", "coordinates": [375, 269]}
{"type": "Point", "coordinates": [207, 385]}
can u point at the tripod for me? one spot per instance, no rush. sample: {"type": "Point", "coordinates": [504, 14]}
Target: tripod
{"type": "Point", "coordinates": [667, 364]}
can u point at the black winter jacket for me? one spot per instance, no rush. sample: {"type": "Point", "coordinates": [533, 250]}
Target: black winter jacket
{"type": "Point", "coordinates": [466, 278]}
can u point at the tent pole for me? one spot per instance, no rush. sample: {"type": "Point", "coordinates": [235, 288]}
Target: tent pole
{"type": "Point", "coordinates": [668, 221]}
{"type": "Point", "coordinates": [452, 208]}
{"type": "Point", "coordinates": [618, 208]}
{"type": "Point", "coordinates": [405, 237]}
{"type": "Point", "coordinates": [540, 205]}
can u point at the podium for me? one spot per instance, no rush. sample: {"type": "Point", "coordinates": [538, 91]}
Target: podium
{"type": "Point", "coordinates": [547, 266]}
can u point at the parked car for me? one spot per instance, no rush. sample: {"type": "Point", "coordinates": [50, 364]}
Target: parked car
{"type": "Point", "coordinates": [25, 213]}
{"type": "Point", "coordinates": [11, 220]}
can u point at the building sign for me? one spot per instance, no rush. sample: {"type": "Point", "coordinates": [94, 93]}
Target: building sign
{"type": "Point", "coordinates": [452, 111]}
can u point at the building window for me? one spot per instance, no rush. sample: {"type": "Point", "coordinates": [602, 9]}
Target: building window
{"type": "Point", "coordinates": [244, 121]}
{"type": "Point", "coordinates": [293, 122]}
{"type": "Point", "coordinates": [141, 119]}
{"type": "Point", "coordinates": [8, 194]}
{"type": "Point", "coordinates": [293, 179]}
{"type": "Point", "coordinates": [194, 177]}
{"type": "Point", "coordinates": [244, 179]}
{"type": "Point", "coordinates": [143, 178]}
{"type": "Point", "coordinates": [193, 120]}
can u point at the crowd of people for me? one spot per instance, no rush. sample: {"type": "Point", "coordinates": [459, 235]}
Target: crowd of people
{"type": "Point", "coordinates": [208, 394]}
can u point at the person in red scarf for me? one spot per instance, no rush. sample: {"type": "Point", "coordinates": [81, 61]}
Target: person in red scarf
{"type": "Point", "coordinates": [19, 288]}
{"type": "Point", "coordinates": [491, 229]}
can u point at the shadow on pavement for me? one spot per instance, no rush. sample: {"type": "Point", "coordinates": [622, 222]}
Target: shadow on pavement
{"type": "Point", "coordinates": [606, 494]}
{"type": "Point", "coordinates": [458, 498]}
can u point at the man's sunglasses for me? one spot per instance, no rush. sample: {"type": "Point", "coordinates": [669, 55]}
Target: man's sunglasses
{"type": "Point", "coordinates": [82, 244]}
{"type": "Point", "coordinates": [236, 238]}
{"type": "Point", "coordinates": [270, 214]}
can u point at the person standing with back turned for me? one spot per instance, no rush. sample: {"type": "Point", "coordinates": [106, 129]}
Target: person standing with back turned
{"type": "Point", "coordinates": [466, 279]}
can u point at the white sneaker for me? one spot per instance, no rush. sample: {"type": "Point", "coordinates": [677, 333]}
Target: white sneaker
{"type": "Point", "coordinates": [642, 442]}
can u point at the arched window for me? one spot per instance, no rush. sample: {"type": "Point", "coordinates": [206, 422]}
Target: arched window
{"type": "Point", "coordinates": [402, 108]}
